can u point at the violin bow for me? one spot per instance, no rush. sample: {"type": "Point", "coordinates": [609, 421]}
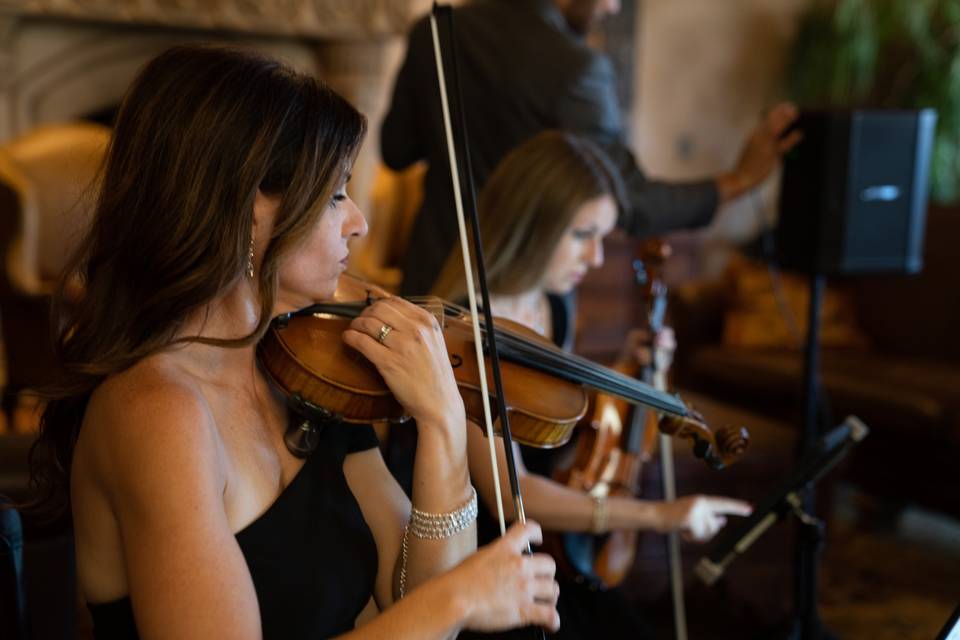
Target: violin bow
{"type": "Point", "coordinates": [481, 277]}
{"type": "Point", "coordinates": [675, 567]}
{"type": "Point", "coordinates": [471, 209]}
{"type": "Point", "coordinates": [650, 267]}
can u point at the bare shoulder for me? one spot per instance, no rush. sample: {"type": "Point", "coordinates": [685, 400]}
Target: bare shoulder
{"type": "Point", "coordinates": [150, 419]}
{"type": "Point", "coordinates": [150, 520]}
{"type": "Point", "coordinates": [154, 402]}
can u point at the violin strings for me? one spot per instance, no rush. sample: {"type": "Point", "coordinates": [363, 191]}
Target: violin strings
{"type": "Point", "coordinates": [578, 369]}
{"type": "Point", "coordinates": [586, 368]}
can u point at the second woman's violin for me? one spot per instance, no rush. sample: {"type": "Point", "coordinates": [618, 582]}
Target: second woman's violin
{"type": "Point", "coordinates": [545, 387]}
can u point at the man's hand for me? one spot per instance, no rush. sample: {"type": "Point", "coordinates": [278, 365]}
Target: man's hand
{"type": "Point", "coordinates": [761, 152]}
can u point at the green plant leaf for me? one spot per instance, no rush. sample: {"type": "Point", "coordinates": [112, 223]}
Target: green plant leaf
{"type": "Point", "coordinates": [885, 54]}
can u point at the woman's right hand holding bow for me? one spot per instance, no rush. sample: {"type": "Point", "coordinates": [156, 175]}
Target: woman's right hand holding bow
{"type": "Point", "coordinates": [503, 588]}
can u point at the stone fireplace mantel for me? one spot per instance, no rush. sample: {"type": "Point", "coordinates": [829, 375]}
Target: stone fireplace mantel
{"type": "Point", "coordinates": [63, 60]}
{"type": "Point", "coordinates": [311, 19]}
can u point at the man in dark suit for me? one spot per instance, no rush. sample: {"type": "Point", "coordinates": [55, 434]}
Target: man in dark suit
{"type": "Point", "coordinates": [525, 67]}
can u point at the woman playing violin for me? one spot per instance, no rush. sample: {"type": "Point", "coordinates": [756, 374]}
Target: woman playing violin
{"type": "Point", "coordinates": [221, 206]}
{"type": "Point", "coordinates": [544, 214]}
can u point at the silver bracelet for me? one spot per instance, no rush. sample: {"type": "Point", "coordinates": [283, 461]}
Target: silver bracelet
{"type": "Point", "coordinates": [435, 526]}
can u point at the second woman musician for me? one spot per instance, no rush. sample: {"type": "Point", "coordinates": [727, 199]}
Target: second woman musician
{"type": "Point", "coordinates": [544, 213]}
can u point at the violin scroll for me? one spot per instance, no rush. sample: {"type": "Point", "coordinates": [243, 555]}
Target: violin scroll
{"type": "Point", "coordinates": [733, 440]}
{"type": "Point", "coordinates": [719, 450]}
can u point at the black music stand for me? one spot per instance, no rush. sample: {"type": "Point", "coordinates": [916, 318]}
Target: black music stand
{"type": "Point", "coordinates": [788, 498]}
{"type": "Point", "coordinates": [951, 629]}
{"type": "Point", "coordinates": [811, 534]}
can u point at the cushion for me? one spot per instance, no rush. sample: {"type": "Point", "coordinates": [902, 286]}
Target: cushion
{"type": "Point", "coordinates": [767, 309]}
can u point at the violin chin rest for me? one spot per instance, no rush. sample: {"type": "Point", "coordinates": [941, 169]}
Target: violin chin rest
{"type": "Point", "coordinates": [302, 439]}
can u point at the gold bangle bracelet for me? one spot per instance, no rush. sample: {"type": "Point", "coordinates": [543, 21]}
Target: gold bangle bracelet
{"type": "Point", "coordinates": [599, 518]}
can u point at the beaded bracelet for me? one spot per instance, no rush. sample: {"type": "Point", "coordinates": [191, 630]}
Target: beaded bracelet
{"type": "Point", "coordinates": [435, 526]}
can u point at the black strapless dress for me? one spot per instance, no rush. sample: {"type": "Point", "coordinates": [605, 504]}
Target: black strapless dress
{"type": "Point", "coordinates": [311, 555]}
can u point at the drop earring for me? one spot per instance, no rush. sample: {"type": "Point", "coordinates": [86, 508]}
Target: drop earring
{"type": "Point", "coordinates": [250, 259]}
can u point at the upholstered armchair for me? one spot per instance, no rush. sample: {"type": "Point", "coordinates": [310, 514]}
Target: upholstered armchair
{"type": "Point", "coordinates": [47, 190]}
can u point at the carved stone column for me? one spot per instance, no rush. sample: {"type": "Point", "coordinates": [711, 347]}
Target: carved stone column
{"type": "Point", "coordinates": [8, 25]}
{"type": "Point", "coordinates": [355, 69]}
{"type": "Point", "coordinates": [360, 70]}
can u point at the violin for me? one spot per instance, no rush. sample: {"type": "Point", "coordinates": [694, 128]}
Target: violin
{"type": "Point", "coordinates": [545, 387]}
{"type": "Point", "coordinates": [611, 452]}
{"type": "Point", "coordinates": [304, 355]}
{"type": "Point", "coordinates": [619, 439]}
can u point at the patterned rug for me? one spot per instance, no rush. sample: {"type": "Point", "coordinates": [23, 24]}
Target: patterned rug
{"type": "Point", "coordinates": [891, 581]}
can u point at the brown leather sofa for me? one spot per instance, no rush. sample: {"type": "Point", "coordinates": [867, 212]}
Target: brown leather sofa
{"type": "Point", "coordinates": [905, 386]}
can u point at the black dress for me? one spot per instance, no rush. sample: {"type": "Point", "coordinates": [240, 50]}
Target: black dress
{"type": "Point", "coordinates": [311, 555]}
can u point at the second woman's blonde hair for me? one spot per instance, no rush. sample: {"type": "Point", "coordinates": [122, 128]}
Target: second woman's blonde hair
{"type": "Point", "coordinates": [526, 206]}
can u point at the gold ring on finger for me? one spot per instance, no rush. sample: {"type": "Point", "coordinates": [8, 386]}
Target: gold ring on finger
{"type": "Point", "coordinates": [385, 330]}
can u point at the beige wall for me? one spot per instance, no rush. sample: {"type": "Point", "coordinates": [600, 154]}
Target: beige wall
{"type": "Point", "coordinates": [707, 70]}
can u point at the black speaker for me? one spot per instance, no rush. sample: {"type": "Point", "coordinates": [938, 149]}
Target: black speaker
{"type": "Point", "coordinates": [854, 193]}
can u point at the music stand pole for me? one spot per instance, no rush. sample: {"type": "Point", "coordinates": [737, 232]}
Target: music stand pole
{"type": "Point", "coordinates": [811, 531]}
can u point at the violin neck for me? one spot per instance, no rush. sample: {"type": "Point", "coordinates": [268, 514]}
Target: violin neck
{"type": "Point", "coordinates": [580, 370]}
{"type": "Point", "coordinates": [638, 426]}
{"type": "Point", "coordinates": [638, 419]}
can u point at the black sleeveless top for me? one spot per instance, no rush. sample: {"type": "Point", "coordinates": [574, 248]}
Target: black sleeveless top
{"type": "Point", "coordinates": [311, 555]}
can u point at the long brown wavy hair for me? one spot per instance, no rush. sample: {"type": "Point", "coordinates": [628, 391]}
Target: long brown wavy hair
{"type": "Point", "coordinates": [526, 206]}
{"type": "Point", "coordinates": [198, 133]}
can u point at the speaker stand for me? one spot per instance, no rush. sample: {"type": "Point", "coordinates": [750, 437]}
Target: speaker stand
{"type": "Point", "coordinates": [807, 624]}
